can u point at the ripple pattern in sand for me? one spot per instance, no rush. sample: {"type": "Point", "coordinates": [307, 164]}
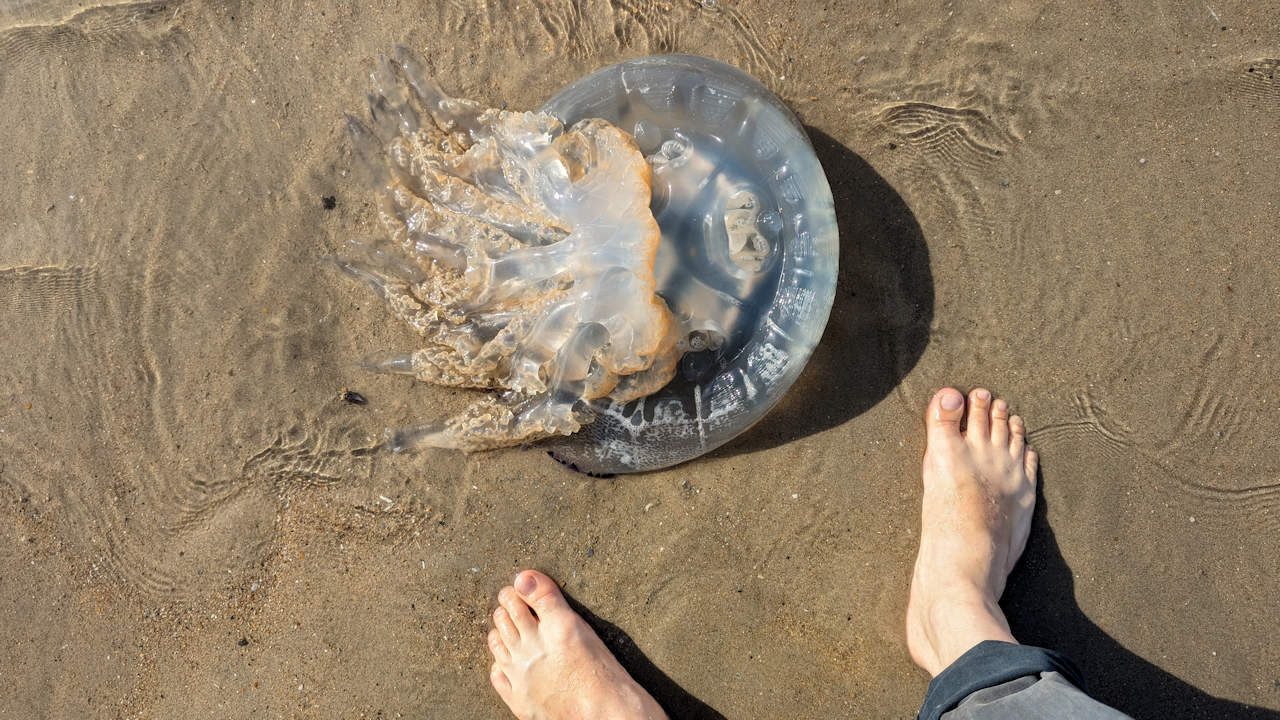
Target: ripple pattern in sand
{"type": "Point", "coordinates": [49, 29]}
{"type": "Point", "coordinates": [1136, 328]}
{"type": "Point", "coordinates": [1260, 83]}
{"type": "Point", "coordinates": [602, 31]}
{"type": "Point", "coordinates": [152, 395]}
{"type": "Point", "coordinates": [46, 291]}
{"type": "Point", "coordinates": [948, 147]}
{"type": "Point", "coordinates": [1255, 498]}
{"type": "Point", "coordinates": [945, 152]}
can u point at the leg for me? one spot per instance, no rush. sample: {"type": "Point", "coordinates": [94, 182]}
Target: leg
{"type": "Point", "coordinates": [1036, 695]}
{"type": "Point", "coordinates": [550, 665]}
{"type": "Point", "coordinates": [979, 491]}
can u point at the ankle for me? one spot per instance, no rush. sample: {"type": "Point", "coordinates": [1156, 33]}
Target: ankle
{"type": "Point", "coordinates": [953, 622]}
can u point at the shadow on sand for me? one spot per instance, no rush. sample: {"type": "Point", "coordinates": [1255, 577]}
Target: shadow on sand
{"type": "Point", "coordinates": [1040, 603]}
{"type": "Point", "coordinates": [674, 699]}
{"type": "Point", "coordinates": [880, 319]}
{"type": "Point", "coordinates": [1041, 607]}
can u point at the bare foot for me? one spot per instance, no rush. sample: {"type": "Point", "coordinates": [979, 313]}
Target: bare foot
{"type": "Point", "coordinates": [979, 490]}
{"type": "Point", "coordinates": [550, 665]}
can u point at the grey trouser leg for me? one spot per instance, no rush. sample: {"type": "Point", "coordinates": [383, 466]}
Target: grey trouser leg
{"type": "Point", "coordinates": [1047, 695]}
{"type": "Point", "coordinates": [1006, 681]}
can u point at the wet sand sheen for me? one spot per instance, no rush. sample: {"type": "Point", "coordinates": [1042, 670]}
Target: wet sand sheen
{"type": "Point", "coordinates": [1071, 208]}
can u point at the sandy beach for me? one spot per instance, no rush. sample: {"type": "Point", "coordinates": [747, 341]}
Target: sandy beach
{"type": "Point", "coordinates": [1074, 205]}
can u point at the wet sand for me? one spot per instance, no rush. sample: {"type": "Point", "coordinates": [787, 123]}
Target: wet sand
{"type": "Point", "coordinates": [1073, 206]}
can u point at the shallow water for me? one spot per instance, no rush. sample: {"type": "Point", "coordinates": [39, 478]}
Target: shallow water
{"type": "Point", "coordinates": [1074, 207]}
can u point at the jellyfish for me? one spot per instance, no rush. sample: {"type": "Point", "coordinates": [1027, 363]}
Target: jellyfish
{"type": "Point", "coordinates": [636, 272]}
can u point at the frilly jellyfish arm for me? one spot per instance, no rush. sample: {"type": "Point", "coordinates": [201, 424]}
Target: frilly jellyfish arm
{"type": "Point", "coordinates": [520, 250]}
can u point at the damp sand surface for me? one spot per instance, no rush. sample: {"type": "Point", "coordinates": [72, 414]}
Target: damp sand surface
{"type": "Point", "coordinates": [1073, 206]}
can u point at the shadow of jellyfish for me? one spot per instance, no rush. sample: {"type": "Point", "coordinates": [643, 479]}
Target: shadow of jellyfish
{"type": "Point", "coordinates": [879, 324]}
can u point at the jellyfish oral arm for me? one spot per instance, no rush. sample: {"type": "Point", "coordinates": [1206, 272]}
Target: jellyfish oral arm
{"type": "Point", "coordinates": [521, 251]}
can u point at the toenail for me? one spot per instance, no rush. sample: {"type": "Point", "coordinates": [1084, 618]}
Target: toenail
{"type": "Point", "coordinates": [982, 395]}
{"type": "Point", "coordinates": [951, 401]}
{"type": "Point", "coordinates": [525, 583]}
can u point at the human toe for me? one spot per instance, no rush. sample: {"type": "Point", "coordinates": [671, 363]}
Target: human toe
{"type": "Point", "coordinates": [1030, 462]}
{"type": "Point", "coordinates": [541, 593]}
{"type": "Point", "coordinates": [943, 416]}
{"type": "Point", "coordinates": [518, 610]}
{"type": "Point", "coordinates": [500, 682]}
{"type": "Point", "coordinates": [1017, 435]}
{"type": "Point", "coordinates": [498, 648]}
{"type": "Point", "coordinates": [506, 629]}
{"type": "Point", "coordinates": [1000, 422]}
{"type": "Point", "coordinates": [978, 427]}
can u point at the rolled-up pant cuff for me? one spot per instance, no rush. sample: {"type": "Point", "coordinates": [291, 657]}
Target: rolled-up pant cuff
{"type": "Point", "coordinates": [987, 664]}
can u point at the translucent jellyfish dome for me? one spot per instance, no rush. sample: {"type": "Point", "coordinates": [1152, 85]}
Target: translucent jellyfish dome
{"type": "Point", "coordinates": [747, 260]}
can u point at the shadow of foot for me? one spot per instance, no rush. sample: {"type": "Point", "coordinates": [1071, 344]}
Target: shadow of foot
{"type": "Point", "coordinates": [879, 324]}
{"type": "Point", "coordinates": [1041, 607]}
{"type": "Point", "coordinates": [678, 703]}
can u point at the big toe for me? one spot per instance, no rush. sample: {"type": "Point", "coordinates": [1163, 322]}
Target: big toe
{"type": "Point", "coordinates": [541, 593]}
{"type": "Point", "coordinates": [943, 416]}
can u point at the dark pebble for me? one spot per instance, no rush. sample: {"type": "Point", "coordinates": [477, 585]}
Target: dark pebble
{"type": "Point", "coordinates": [353, 397]}
{"type": "Point", "coordinates": [243, 641]}
{"type": "Point", "coordinates": [330, 202]}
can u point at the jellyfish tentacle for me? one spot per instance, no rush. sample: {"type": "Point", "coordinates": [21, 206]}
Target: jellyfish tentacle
{"type": "Point", "coordinates": [441, 365]}
{"type": "Point", "coordinates": [368, 150]}
{"type": "Point", "coordinates": [382, 256]}
{"type": "Point", "coordinates": [411, 223]}
{"type": "Point", "coordinates": [487, 367]}
{"type": "Point", "coordinates": [432, 364]}
{"type": "Point", "coordinates": [389, 100]}
{"type": "Point", "coordinates": [388, 363]}
{"type": "Point", "coordinates": [652, 379]}
{"type": "Point", "coordinates": [427, 364]}
{"type": "Point", "coordinates": [480, 166]}
{"type": "Point", "coordinates": [460, 118]}
{"type": "Point", "coordinates": [487, 266]}
{"type": "Point", "coordinates": [454, 194]}
{"type": "Point", "coordinates": [485, 424]}
{"type": "Point", "coordinates": [441, 324]}
{"type": "Point", "coordinates": [528, 253]}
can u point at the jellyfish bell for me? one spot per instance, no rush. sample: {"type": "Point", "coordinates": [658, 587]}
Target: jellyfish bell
{"type": "Point", "coordinates": [641, 269]}
{"type": "Point", "coordinates": [747, 262]}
